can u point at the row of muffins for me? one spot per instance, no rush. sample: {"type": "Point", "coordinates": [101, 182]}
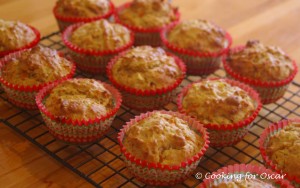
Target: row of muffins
{"type": "Point", "coordinates": [233, 100]}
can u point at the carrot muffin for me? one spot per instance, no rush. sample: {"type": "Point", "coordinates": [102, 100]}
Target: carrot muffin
{"type": "Point", "coordinates": [79, 99]}
{"type": "Point", "coordinates": [249, 183]}
{"type": "Point", "coordinates": [14, 34]}
{"type": "Point", "coordinates": [36, 66]}
{"type": "Point", "coordinates": [162, 138]}
{"type": "Point", "coordinates": [218, 102]}
{"type": "Point", "coordinates": [283, 149]}
{"type": "Point", "coordinates": [198, 35]}
{"type": "Point", "coordinates": [146, 68]}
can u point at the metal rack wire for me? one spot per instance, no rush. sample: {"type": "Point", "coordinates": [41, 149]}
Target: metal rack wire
{"type": "Point", "coordinates": [100, 163]}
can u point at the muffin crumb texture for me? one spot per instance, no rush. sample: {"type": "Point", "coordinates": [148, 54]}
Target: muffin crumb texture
{"type": "Point", "coordinates": [218, 102]}
{"type": "Point", "coordinates": [146, 68]}
{"type": "Point", "coordinates": [162, 138]}
{"type": "Point", "coordinates": [198, 35]}
{"type": "Point", "coordinates": [283, 149]}
{"type": "Point", "coordinates": [148, 13]}
{"type": "Point", "coordinates": [79, 99]}
{"type": "Point", "coordinates": [259, 62]}
{"type": "Point", "coordinates": [100, 36]}
{"type": "Point", "coordinates": [244, 183]}
{"type": "Point", "coordinates": [36, 66]}
{"type": "Point", "coordinates": [83, 8]}
{"type": "Point", "coordinates": [14, 34]}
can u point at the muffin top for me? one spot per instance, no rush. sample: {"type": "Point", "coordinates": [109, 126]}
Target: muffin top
{"type": "Point", "coordinates": [162, 138]}
{"type": "Point", "coordinates": [284, 149]}
{"type": "Point", "coordinates": [79, 99]}
{"type": "Point", "coordinates": [36, 66]}
{"type": "Point", "coordinates": [83, 8]}
{"type": "Point", "coordinates": [217, 102]}
{"type": "Point", "coordinates": [100, 35]}
{"type": "Point", "coordinates": [260, 62]}
{"type": "Point", "coordinates": [249, 183]}
{"type": "Point", "coordinates": [148, 13]}
{"type": "Point", "coordinates": [198, 35]}
{"type": "Point", "coordinates": [14, 34]}
{"type": "Point", "coordinates": [145, 67]}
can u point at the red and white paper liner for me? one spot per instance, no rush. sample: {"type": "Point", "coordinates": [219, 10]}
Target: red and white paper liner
{"type": "Point", "coordinates": [226, 134]}
{"type": "Point", "coordinates": [269, 91]}
{"type": "Point", "coordinates": [144, 36]}
{"type": "Point", "coordinates": [33, 43]}
{"type": "Point", "coordinates": [77, 131]}
{"type": "Point", "coordinates": [245, 172]}
{"type": "Point", "coordinates": [65, 21]}
{"type": "Point", "coordinates": [156, 173]}
{"type": "Point", "coordinates": [272, 130]}
{"type": "Point", "coordinates": [92, 61]}
{"type": "Point", "coordinates": [24, 96]}
{"type": "Point", "coordinates": [148, 99]}
{"type": "Point", "coordinates": [197, 63]}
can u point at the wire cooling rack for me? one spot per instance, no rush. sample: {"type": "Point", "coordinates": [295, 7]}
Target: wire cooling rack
{"type": "Point", "coordinates": [100, 163]}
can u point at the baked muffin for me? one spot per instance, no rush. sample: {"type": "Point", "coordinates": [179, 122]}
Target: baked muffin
{"type": "Point", "coordinates": [200, 43]}
{"type": "Point", "coordinates": [69, 12]}
{"type": "Point", "coordinates": [146, 18]}
{"type": "Point", "coordinates": [280, 148]}
{"type": "Point", "coordinates": [251, 183]}
{"type": "Point", "coordinates": [25, 72]}
{"type": "Point", "coordinates": [93, 44]}
{"type": "Point", "coordinates": [15, 35]}
{"type": "Point", "coordinates": [146, 76]}
{"type": "Point", "coordinates": [162, 148]}
{"type": "Point", "coordinates": [266, 68]}
{"type": "Point", "coordinates": [223, 106]}
{"type": "Point", "coordinates": [78, 111]}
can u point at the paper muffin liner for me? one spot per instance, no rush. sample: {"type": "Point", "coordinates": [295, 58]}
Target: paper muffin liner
{"type": "Point", "coordinates": [20, 95]}
{"type": "Point", "coordinates": [245, 172]}
{"type": "Point", "coordinates": [77, 131]}
{"type": "Point", "coordinates": [269, 91]}
{"type": "Point", "coordinates": [156, 173]}
{"type": "Point", "coordinates": [92, 61]}
{"type": "Point", "coordinates": [272, 130]}
{"type": "Point", "coordinates": [197, 63]}
{"type": "Point", "coordinates": [144, 36]}
{"type": "Point", "coordinates": [149, 99]}
{"type": "Point", "coordinates": [65, 21]}
{"type": "Point", "coordinates": [226, 134]}
{"type": "Point", "coordinates": [27, 46]}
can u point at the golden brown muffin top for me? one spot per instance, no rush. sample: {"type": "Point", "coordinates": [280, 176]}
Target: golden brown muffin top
{"type": "Point", "coordinates": [148, 13]}
{"type": "Point", "coordinates": [14, 34]}
{"type": "Point", "coordinates": [217, 102]}
{"type": "Point", "coordinates": [83, 8]}
{"type": "Point", "coordinates": [244, 183]}
{"type": "Point", "coordinates": [36, 66]}
{"type": "Point", "coordinates": [100, 35]}
{"type": "Point", "coordinates": [260, 62]}
{"type": "Point", "coordinates": [146, 68]}
{"type": "Point", "coordinates": [162, 138]}
{"type": "Point", "coordinates": [284, 149]}
{"type": "Point", "coordinates": [79, 99]}
{"type": "Point", "coordinates": [198, 35]}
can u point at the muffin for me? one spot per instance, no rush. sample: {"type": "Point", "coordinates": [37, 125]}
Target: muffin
{"type": "Point", "coordinates": [162, 148]}
{"type": "Point", "coordinates": [93, 44]}
{"type": "Point", "coordinates": [146, 76]}
{"type": "Point", "coordinates": [267, 69]}
{"type": "Point", "coordinates": [24, 73]}
{"type": "Point", "coordinates": [16, 36]}
{"type": "Point", "coordinates": [68, 12]}
{"type": "Point", "coordinates": [78, 111]}
{"type": "Point", "coordinates": [280, 148]}
{"type": "Point", "coordinates": [147, 18]}
{"type": "Point", "coordinates": [226, 107]}
{"type": "Point", "coordinates": [244, 175]}
{"type": "Point", "coordinates": [199, 43]}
